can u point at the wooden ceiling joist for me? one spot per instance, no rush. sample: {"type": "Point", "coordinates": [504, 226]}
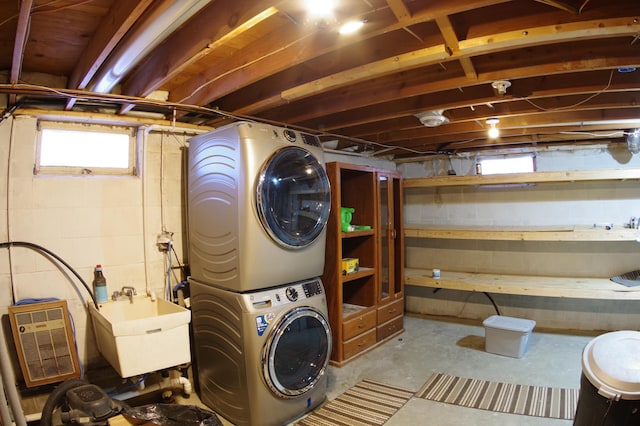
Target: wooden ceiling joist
{"type": "Point", "coordinates": [19, 44]}
{"type": "Point", "coordinates": [453, 45]}
{"type": "Point", "coordinates": [215, 25]}
{"type": "Point", "coordinates": [562, 5]}
{"type": "Point", "coordinates": [471, 47]}
{"type": "Point", "coordinates": [399, 9]}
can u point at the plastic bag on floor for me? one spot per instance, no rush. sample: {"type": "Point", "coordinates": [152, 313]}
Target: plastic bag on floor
{"type": "Point", "coordinates": [173, 415]}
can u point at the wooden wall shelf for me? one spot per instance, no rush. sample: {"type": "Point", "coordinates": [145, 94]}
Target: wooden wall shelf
{"type": "Point", "coordinates": [579, 288]}
{"type": "Point", "coordinates": [532, 233]}
{"type": "Point", "coordinates": [523, 178]}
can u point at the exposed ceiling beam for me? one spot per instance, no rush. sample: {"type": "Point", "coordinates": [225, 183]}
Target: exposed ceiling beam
{"type": "Point", "coordinates": [120, 18]}
{"type": "Point", "coordinates": [453, 45]}
{"type": "Point", "coordinates": [19, 44]}
{"type": "Point", "coordinates": [562, 5]}
{"type": "Point", "coordinates": [296, 45]}
{"type": "Point", "coordinates": [113, 27]}
{"type": "Point", "coordinates": [374, 101]}
{"type": "Point", "coordinates": [471, 47]}
{"type": "Point", "coordinates": [399, 9]}
{"type": "Point", "coordinates": [213, 26]}
{"type": "Point", "coordinates": [226, 76]}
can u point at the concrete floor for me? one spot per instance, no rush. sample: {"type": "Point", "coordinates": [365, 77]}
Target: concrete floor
{"type": "Point", "coordinates": [440, 345]}
{"type": "Point", "coordinates": [431, 345]}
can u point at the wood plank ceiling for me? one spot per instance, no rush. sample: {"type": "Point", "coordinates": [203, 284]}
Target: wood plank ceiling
{"type": "Point", "coordinates": [567, 67]}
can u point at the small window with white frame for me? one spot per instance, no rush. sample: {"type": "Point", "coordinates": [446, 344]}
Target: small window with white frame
{"type": "Point", "coordinates": [495, 165]}
{"type": "Point", "coordinates": [85, 149]}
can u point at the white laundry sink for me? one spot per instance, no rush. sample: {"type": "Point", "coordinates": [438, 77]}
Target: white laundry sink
{"type": "Point", "coordinates": [142, 336]}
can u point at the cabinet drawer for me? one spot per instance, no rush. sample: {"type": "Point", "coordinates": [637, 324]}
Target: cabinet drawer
{"type": "Point", "coordinates": [387, 329]}
{"type": "Point", "coordinates": [390, 311]}
{"type": "Point", "coordinates": [358, 325]}
{"type": "Point", "coordinates": [358, 344]}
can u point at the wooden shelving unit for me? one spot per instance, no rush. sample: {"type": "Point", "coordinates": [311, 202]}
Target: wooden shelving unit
{"type": "Point", "coordinates": [577, 288]}
{"type": "Point", "coordinates": [523, 178]}
{"type": "Point", "coordinates": [515, 233]}
{"type": "Point", "coordinates": [568, 287]}
{"type": "Point", "coordinates": [366, 307]}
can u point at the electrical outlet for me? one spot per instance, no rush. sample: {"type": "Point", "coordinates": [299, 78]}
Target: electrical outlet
{"type": "Point", "coordinates": [164, 241]}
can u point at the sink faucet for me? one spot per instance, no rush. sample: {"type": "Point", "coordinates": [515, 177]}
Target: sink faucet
{"type": "Point", "coordinates": [129, 292]}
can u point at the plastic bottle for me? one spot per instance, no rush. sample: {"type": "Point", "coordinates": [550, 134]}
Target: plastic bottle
{"type": "Point", "coordinates": [100, 285]}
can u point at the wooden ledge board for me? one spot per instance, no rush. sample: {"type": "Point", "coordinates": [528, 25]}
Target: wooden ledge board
{"type": "Point", "coordinates": [520, 178]}
{"type": "Point", "coordinates": [552, 233]}
{"type": "Point", "coordinates": [578, 288]}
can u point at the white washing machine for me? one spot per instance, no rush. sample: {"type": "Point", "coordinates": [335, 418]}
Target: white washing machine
{"type": "Point", "coordinates": [261, 356]}
{"type": "Point", "coordinates": [258, 202]}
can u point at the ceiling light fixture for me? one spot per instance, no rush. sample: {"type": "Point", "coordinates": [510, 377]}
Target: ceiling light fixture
{"type": "Point", "coordinates": [432, 118]}
{"type": "Point", "coordinates": [320, 8]}
{"type": "Point", "coordinates": [501, 86]}
{"type": "Point", "coordinates": [633, 141]}
{"type": "Point", "coordinates": [163, 20]}
{"type": "Point", "coordinates": [493, 132]}
{"type": "Point", "coordinates": [351, 27]}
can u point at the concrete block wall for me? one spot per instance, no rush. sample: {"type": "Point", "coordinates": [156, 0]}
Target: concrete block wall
{"type": "Point", "coordinates": [86, 220]}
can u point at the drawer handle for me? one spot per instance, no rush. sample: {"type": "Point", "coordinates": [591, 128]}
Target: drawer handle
{"type": "Point", "coordinates": [392, 311]}
{"type": "Point", "coordinates": [361, 325]}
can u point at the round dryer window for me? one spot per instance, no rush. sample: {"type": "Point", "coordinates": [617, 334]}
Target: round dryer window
{"type": "Point", "coordinates": [293, 197]}
{"type": "Point", "coordinates": [297, 352]}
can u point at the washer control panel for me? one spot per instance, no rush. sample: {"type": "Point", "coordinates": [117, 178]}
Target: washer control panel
{"type": "Point", "coordinates": [278, 296]}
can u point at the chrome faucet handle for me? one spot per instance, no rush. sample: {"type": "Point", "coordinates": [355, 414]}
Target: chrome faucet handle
{"type": "Point", "coordinates": [128, 290]}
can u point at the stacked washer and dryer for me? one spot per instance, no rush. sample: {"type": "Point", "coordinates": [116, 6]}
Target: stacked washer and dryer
{"type": "Point", "coordinates": [258, 203]}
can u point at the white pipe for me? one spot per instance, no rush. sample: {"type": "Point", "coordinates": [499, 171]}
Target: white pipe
{"type": "Point", "coordinates": [9, 379]}
{"type": "Point", "coordinates": [4, 408]}
{"type": "Point", "coordinates": [143, 134]}
{"type": "Point", "coordinates": [187, 389]}
{"type": "Point", "coordinates": [165, 384]}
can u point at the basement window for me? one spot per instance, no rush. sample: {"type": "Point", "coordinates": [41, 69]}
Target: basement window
{"type": "Point", "coordinates": [83, 149]}
{"type": "Point", "coordinates": [506, 164]}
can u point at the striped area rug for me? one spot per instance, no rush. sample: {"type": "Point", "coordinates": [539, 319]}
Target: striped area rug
{"type": "Point", "coordinates": [540, 401]}
{"type": "Point", "coordinates": [367, 403]}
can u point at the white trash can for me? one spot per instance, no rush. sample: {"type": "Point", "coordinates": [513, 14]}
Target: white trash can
{"type": "Point", "coordinates": [610, 381]}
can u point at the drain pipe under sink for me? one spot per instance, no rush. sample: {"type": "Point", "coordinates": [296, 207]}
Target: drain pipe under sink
{"type": "Point", "coordinates": [165, 384]}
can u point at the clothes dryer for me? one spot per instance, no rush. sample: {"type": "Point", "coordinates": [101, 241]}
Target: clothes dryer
{"type": "Point", "coordinates": [258, 202]}
{"type": "Point", "coordinates": [261, 356]}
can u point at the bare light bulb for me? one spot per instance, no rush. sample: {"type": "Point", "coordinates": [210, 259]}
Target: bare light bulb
{"type": "Point", "coordinates": [351, 27]}
{"type": "Point", "coordinates": [493, 132]}
{"type": "Point", "coordinates": [320, 8]}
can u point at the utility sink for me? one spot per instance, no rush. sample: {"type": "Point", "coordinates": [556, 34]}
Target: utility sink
{"type": "Point", "coordinates": [143, 335]}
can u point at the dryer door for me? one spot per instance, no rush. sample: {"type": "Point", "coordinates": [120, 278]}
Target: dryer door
{"type": "Point", "coordinates": [297, 352]}
{"type": "Point", "coordinates": [293, 197]}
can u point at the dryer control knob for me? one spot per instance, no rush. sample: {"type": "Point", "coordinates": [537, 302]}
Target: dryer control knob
{"type": "Point", "coordinates": [290, 135]}
{"type": "Point", "coordinates": [292, 294]}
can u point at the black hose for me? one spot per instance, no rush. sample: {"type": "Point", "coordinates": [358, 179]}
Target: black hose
{"type": "Point", "coordinates": [495, 306]}
{"type": "Point", "coordinates": [39, 248]}
{"type": "Point", "coordinates": [55, 399]}
{"type": "Point", "coordinates": [492, 302]}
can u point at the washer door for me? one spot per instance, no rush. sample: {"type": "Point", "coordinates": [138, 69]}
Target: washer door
{"type": "Point", "coordinates": [293, 197]}
{"type": "Point", "coordinates": [297, 352]}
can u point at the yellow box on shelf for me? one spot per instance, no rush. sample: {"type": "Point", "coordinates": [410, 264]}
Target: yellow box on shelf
{"type": "Point", "coordinates": [350, 265]}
